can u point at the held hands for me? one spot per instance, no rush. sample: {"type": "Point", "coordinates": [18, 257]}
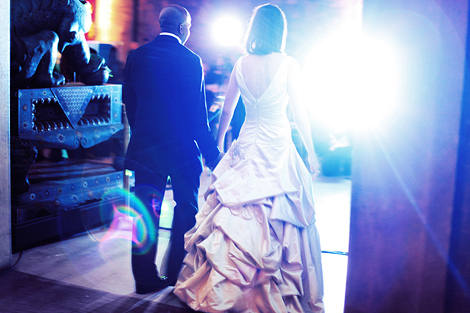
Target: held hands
{"type": "Point", "coordinates": [214, 163]}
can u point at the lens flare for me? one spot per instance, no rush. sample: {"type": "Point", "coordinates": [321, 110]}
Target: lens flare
{"type": "Point", "coordinates": [379, 79]}
{"type": "Point", "coordinates": [352, 82]}
{"type": "Point", "coordinates": [130, 222]}
{"type": "Point", "coordinates": [227, 31]}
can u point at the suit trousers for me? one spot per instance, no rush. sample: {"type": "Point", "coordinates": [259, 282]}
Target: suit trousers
{"type": "Point", "coordinates": [150, 188]}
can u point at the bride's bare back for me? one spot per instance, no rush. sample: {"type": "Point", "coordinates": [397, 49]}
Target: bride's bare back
{"type": "Point", "coordinates": [259, 71]}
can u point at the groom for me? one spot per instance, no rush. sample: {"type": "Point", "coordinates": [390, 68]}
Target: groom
{"type": "Point", "coordinates": [164, 95]}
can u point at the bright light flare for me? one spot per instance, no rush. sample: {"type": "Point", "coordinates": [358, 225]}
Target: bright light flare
{"type": "Point", "coordinates": [227, 31]}
{"type": "Point", "coordinates": [379, 78]}
{"type": "Point", "coordinates": [353, 83]}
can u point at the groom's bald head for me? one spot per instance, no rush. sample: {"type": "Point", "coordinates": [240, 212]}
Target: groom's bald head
{"type": "Point", "coordinates": [172, 16]}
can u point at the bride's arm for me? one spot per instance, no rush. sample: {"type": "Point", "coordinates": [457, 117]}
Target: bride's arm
{"type": "Point", "coordinates": [300, 114]}
{"type": "Point", "coordinates": [231, 99]}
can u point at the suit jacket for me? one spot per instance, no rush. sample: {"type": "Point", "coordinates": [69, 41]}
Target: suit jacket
{"type": "Point", "coordinates": [164, 95]}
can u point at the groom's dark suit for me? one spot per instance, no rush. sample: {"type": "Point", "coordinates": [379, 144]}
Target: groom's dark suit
{"type": "Point", "coordinates": [164, 95]}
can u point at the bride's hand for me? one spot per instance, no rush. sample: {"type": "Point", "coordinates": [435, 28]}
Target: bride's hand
{"type": "Point", "coordinates": [314, 165]}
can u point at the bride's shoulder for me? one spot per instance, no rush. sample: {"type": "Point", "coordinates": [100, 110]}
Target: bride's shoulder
{"type": "Point", "coordinates": [245, 58]}
{"type": "Point", "coordinates": [293, 63]}
{"type": "Point", "coordinates": [291, 59]}
{"type": "Point", "coordinates": [238, 62]}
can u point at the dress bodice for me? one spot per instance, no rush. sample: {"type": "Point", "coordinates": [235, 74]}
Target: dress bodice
{"type": "Point", "coordinates": [266, 121]}
{"type": "Point", "coordinates": [263, 161]}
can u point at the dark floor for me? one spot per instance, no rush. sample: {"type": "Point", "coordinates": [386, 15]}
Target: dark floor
{"type": "Point", "coordinates": [23, 292]}
{"type": "Point", "coordinates": [91, 271]}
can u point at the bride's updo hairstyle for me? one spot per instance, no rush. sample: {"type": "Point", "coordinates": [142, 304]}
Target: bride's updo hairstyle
{"type": "Point", "coordinates": [267, 30]}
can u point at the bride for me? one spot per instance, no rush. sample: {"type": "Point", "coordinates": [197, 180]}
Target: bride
{"type": "Point", "coordinates": [255, 247]}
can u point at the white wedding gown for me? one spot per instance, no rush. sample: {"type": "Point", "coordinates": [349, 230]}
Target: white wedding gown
{"type": "Point", "coordinates": [255, 247]}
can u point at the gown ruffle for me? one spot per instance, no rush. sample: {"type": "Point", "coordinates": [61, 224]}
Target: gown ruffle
{"type": "Point", "coordinates": [255, 247]}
